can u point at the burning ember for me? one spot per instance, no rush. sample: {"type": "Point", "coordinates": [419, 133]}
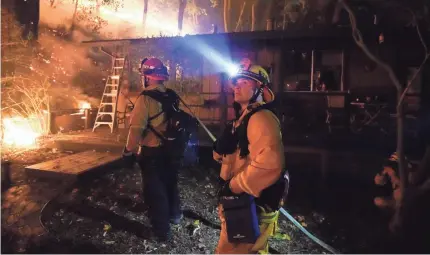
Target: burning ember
{"type": "Point", "coordinates": [84, 105]}
{"type": "Point", "coordinates": [21, 132]}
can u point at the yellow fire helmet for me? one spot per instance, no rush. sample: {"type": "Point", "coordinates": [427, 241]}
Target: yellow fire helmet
{"type": "Point", "coordinates": [254, 72]}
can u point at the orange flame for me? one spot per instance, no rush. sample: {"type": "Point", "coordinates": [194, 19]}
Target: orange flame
{"type": "Point", "coordinates": [20, 131]}
{"type": "Point", "coordinates": [83, 105]}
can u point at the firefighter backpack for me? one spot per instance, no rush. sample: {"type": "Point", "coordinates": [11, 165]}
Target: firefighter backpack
{"type": "Point", "coordinates": [180, 125]}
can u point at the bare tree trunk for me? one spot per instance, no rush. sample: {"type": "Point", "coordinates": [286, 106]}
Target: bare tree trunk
{"type": "Point", "coordinates": [253, 15]}
{"type": "Point", "coordinates": [268, 12]}
{"type": "Point", "coordinates": [145, 14]}
{"type": "Point", "coordinates": [195, 17]}
{"type": "Point", "coordinates": [356, 34]}
{"type": "Point", "coordinates": [49, 120]}
{"type": "Point", "coordinates": [239, 21]}
{"type": "Point", "coordinates": [403, 175]}
{"type": "Point", "coordinates": [227, 5]}
{"type": "Point", "coordinates": [284, 21]}
{"type": "Point", "coordinates": [182, 5]}
{"type": "Point", "coordinates": [336, 13]}
{"type": "Point", "coordinates": [72, 27]}
{"type": "Point", "coordinates": [98, 4]}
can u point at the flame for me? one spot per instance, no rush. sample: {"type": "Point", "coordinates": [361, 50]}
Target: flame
{"type": "Point", "coordinates": [20, 131]}
{"type": "Point", "coordinates": [84, 105]}
{"type": "Point", "coordinates": [133, 15]}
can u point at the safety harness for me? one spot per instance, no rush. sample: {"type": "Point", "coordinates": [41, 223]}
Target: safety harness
{"type": "Point", "coordinates": [241, 130]}
{"type": "Point", "coordinates": [270, 198]}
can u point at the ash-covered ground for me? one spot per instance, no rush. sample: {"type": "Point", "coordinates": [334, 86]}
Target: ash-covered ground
{"type": "Point", "coordinates": [108, 212]}
{"type": "Point", "coordinates": [105, 214]}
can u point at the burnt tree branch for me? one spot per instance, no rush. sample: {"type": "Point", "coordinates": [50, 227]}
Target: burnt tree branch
{"type": "Point", "coordinates": [358, 38]}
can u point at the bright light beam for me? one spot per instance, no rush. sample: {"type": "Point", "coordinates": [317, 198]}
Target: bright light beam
{"type": "Point", "coordinates": [221, 63]}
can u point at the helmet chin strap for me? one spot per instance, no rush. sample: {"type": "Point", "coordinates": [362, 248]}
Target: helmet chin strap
{"type": "Point", "coordinates": [145, 82]}
{"type": "Point", "coordinates": [257, 93]}
{"type": "Point", "coordinates": [237, 107]}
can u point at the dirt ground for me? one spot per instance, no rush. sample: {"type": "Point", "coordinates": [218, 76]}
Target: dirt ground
{"type": "Point", "coordinates": [106, 214]}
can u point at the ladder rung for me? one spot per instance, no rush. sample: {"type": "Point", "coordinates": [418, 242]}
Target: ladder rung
{"type": "Point", "coordinates": [99, 122]}
{"type": "Point", "coordinates": [101, 113]}
{"type": "Point", "coordinates": [118, 67]}
{"type": "Point", "coordinates": [120, 59]}
{"type": "Point", "coordinates": [111, 85]}
{"type": "Point", "coordinates": [106, 103]}
{"type": "Point", "coordinates": [114, 76]}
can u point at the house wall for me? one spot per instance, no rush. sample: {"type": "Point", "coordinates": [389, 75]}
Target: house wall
{"type": "Point", "coordinates": [212, 100]}
{"type": "Point", "coordinates": [364, 75]}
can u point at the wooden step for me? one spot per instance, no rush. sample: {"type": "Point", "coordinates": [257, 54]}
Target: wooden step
{"type": "Point", "coordinates": [74, 165]}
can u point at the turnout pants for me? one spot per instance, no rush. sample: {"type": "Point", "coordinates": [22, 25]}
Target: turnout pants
{"type": "Point", "coordinates": [160, 188]}
{"type": "Point", "coordinates": [268, 222]}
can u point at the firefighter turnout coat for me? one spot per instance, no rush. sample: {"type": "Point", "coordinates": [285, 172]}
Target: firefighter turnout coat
{"type": "Point", "coordinates": [258, 170]}
{"type": "Point", "coordinates": [144, 108]}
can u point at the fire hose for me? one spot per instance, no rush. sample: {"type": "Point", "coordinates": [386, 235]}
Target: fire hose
{"type": "Point", "coordinates": [193, 215]}
{"type": "Point", "coordinates": [282, 210]}
{"type": "Point", "coordinates": [213, 138]}
{"type": "Point", "coordinates": [191, 112]}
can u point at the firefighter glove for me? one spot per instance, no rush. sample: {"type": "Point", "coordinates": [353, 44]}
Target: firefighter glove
{"type": "Point", "coordinates": [227, 142]}
{"type": "Point", "coordinates": [128, 158]}
{"type": "Point", "coordinates": [225, 190]}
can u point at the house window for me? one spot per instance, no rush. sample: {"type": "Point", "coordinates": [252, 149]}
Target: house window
{"type": "Point", "coordinates": [313, 71]}
{"type": "Point", "coordinates": [188, 74]}
{"type": "Point", "coordinates": [328, 71]}
{"type": "Point", "coordinates": [297, 70]}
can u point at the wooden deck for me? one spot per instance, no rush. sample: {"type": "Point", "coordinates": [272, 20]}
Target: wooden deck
{"type": "Point", "coordinates": [74, 165]}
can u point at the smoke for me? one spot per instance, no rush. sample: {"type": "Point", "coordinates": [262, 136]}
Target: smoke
{"type": "Point", "coordinates": [64, 25]}
{"type": "Point", "coordinates": [56, 65]}
{"type": "Point", "coordinates": [61, 59]}
{"type": "Point", "coordinates": [73, 76]}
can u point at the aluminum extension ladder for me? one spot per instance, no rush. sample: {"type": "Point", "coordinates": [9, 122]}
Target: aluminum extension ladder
{"type": "Point", "coordinates": [106, 114]}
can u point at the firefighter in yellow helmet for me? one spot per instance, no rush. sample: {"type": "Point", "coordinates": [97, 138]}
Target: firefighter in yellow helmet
{"type": "Point", "coordinates": [253, 180]}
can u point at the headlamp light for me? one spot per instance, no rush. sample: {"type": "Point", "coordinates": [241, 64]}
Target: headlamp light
{"type": "Point", "coordinates": [233, 70]}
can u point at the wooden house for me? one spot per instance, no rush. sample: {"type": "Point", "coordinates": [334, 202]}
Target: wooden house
{"type": "Point", "coordinates": [297, 60]}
